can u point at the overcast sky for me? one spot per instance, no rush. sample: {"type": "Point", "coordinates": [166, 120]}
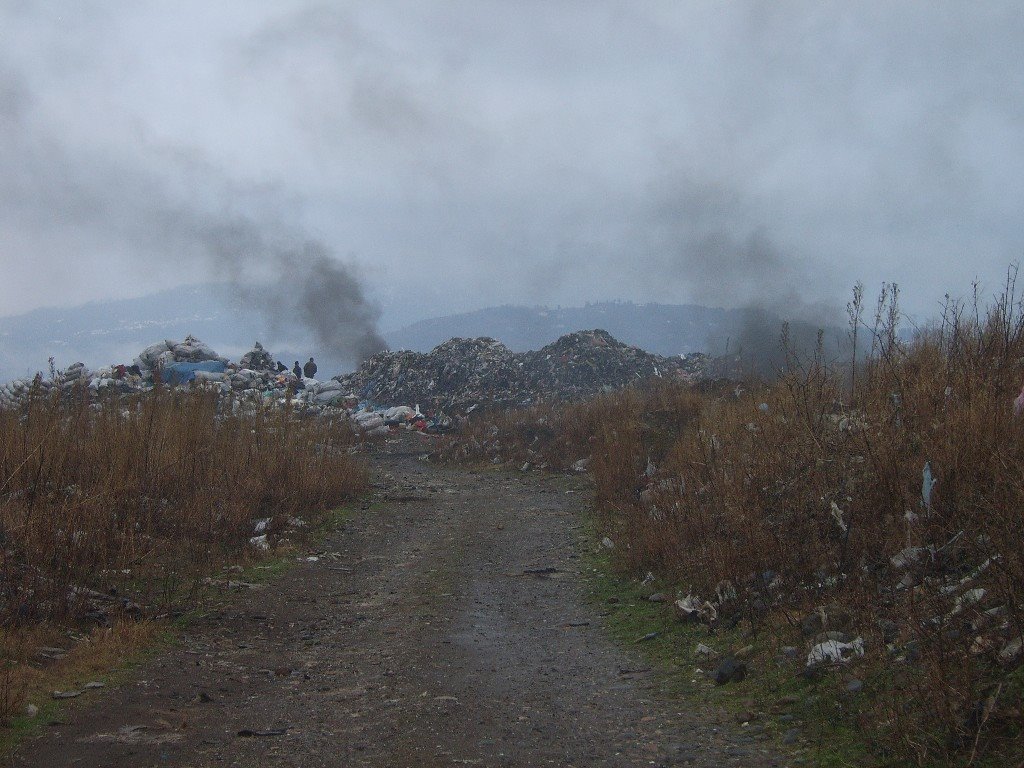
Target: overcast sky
{"type": "Point", "coordinates": [462, 154]}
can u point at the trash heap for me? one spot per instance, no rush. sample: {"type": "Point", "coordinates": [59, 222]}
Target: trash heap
{"type": "Point", "coordinates": [389, 389]}
{"type": "Point", "coordinates": [174, 363]}
{"type": "Point", "coordinates": [168, 353]}
{"type": "Point", "coordinates": [453, 378]}
{"type": "Point", "coordinates": [254, 382]}
{"type": "Point", "coordinates": [582, 364]}
{"type": "Point", "coordinates": [462, 375]}
{"type": "Point", "coordinates": [257, 359]}
{"type": "Point", "coordinates": [75, 377]}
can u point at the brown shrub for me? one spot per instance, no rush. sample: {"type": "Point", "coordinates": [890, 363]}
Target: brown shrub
{"type": "Point", "coordinates": [130, 502]}
{"type": "Point", "coordinates": [801, 492]}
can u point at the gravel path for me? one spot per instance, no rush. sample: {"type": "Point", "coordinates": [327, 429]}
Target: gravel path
{"type": "Point", "coordinates": [430, 631]}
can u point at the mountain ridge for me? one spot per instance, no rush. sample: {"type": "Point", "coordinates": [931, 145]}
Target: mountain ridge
{"type": "Point", "coordinates": [103, 332]}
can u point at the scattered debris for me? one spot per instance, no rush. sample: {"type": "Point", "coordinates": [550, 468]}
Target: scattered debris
{"type": "Point", "coordinates": [967, 599]}
{"type": "Point", "coordinates": [705, 651]}
{"type": "Point", "coordinates": [837, 515]}
{"type": "Point", "coordinates": [1011, 652]}
{"type": "Point", "coordinates": [834, 652]}
{"type": "Point", "coordinates": [927, 484]}
{"type": "Point", "coordinates": [692, 608]}
{"type": "Point", "coordinates": [67, 694]}
{"type": "Point", "coordinates": [744, 653]}
{"type": "Point", "coordinates": [910, 556]}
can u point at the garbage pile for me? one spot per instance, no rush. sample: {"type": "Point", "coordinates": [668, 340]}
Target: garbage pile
{"type": "Point", "coordinates": [257, 359]}
{"type": "Point", "coordinates": [168, 353]}
{"type": "Point", "coordinates": [389, 389]}
{"type": "Point", "coordinates": [256, 381]}
{"type": "Point", "coordinates": [462, 375]}
{"type": "Point", "coordinates": [75, 377]}
{"type": "Point", "coordinates": [453, 378]}
{"type": "Point", "coordinates": [586, 363]}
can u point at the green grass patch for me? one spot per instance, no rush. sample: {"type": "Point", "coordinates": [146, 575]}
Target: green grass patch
{"type": "Point", "coordinates": [773, 698]}
{"type": "Point", "coordinates": [93, 664]}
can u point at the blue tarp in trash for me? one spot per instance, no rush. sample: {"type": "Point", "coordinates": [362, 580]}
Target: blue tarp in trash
{"type": "Point", "coordinates": [182, 373]}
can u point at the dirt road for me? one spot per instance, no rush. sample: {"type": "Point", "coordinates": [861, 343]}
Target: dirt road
{"type": "Point", "coordinates": [448, 625]}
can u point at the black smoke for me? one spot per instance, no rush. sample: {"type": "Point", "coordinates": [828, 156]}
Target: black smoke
{"type": "Point", "coordinates": [709, 238]}
{"type": "Point", "coordinates": [171, 211]}
{"type": "Point", "coordinates": [297, 282]}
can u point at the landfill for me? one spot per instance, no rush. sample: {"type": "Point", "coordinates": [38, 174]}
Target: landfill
{"type": "Point", "coordinates": [255, 381]}
{"type": "Point", "coordinates": [463, 375]}
{"type": "Point", "coordinates": [426, 391]}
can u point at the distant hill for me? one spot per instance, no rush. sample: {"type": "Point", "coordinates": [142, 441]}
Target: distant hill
{"type": "Point", "coordinates": [665, 329]}
{"type": "Point", "coordinates": [105, 332]}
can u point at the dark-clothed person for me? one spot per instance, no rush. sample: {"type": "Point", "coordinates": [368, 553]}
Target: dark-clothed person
{"type": "Point", "coordinates": [309, 369]}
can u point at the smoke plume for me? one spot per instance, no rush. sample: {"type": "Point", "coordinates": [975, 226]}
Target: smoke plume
{"type": "Point", "coordinates": [710, 238]}
{"type": "Point", "coordinates": [170, 211]}
{"type": "Point", "coordinates": [756, 155]}
{"type": "Point", "coordinates": [298, 282]}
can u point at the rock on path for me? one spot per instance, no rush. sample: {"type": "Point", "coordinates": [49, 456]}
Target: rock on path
{"type": "Point", "coordinates": [432, 631]}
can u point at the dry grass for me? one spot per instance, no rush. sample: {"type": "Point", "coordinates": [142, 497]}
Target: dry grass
{"type": "Point", "coordinates": [798, 494]}
{"type": "Point", "coordinates": [114, 511]}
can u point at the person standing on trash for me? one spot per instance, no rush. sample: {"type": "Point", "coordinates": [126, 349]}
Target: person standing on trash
{"type": "Point", "coordinates": [309, 369]}
{"type": "Point", "coordinates": [297, 370]}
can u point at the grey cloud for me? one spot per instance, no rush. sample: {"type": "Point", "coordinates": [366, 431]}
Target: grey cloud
{"type": "Point", "coordinates": [761, 154]}
{"type": "Point", "coordinates": [297, 280]}
{"type": "Point", "coordinates": [173, 209]}
{"type": "Point", "coordinates": [14, 99]}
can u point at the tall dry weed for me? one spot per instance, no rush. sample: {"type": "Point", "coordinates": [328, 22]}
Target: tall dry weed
{"type": "Point", "coordinates": [884, 494]}
{"type": "Point", "coordinates": [117, 507]}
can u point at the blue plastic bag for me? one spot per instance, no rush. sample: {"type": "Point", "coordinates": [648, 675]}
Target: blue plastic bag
{"type": "Point", "coordinates": [183, 373]}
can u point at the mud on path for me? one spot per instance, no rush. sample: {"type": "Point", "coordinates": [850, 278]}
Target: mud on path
{"type": "Point", "coordinates": [448, 625]}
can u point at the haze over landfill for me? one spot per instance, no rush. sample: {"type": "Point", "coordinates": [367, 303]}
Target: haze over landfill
{"type": "Point", "coordinates": [406, 383]}
{"type": "Point", "coordinates": [422, 158]}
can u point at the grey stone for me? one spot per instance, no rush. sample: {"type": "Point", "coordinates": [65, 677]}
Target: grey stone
{"type": "Point", "coordinates": [730, 671]}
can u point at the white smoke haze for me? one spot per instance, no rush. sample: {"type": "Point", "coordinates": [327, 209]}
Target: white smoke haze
{"type": "Point", "coordinates": [439, 157]}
